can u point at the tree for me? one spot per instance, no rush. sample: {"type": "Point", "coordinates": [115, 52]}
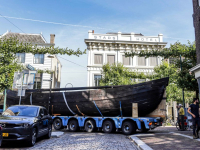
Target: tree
{"type": "Point", "coordinates": [185, 79]}
{"type": "Point", "coordinates": [8, 63]}
{"type": "Point", "coordinates": [117, 74]}
{"type": "Point", "coordinates": [173, 92]}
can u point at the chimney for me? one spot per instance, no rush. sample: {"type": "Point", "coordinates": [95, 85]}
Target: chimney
{"type": "Point", "coordinates": [92, 31]}
{"type": "Point", "coordinates": [52, 38]}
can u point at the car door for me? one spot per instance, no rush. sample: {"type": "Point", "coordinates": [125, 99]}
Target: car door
{"type": "Point", "coordinates": [42, 130]}
{"type": "Point", "coordinates": [46, 120]}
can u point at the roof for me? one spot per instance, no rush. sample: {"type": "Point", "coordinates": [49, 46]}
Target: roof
{"type": "Point", "coordinates": [26, 38]}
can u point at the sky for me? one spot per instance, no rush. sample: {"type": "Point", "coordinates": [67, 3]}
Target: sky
{"type": "Point", "coordinates": [70, 21]}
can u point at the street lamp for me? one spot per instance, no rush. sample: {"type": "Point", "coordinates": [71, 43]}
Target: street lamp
{"type": "Point", "coordinates": [49, 108]}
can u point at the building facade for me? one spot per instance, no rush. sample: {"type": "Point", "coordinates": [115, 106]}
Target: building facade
{"type": "Point", "coordinates": [39, 61]}
{"type": "Point", "coordinates": [111, 47]}
{"type": "Point", "coordinates": [196, 23]}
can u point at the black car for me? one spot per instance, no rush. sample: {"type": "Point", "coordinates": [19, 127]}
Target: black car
{"type": "Point", "coordinates": [25, 122]}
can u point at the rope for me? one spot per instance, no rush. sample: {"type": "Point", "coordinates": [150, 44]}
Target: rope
{"type": "Point", "coordinates": [80, 111]}
{"type": "Point", "coordinates": [67, 104]}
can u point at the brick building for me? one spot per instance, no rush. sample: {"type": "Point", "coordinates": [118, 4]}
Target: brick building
{"type": "Point", "coordinates": [196, 21]}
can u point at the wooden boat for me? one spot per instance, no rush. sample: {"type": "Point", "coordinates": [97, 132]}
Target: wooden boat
{"type": "Point", "coordinates": [107, 99]}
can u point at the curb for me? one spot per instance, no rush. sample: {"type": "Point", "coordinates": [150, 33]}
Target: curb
{"type": "Point", "coordinates": [56, 134]}
{"type": "Point", "coordinates": [140, 144]}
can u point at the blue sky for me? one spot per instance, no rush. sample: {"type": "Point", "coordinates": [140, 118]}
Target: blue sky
{"type": "Point", "coordinates": [172, 18]}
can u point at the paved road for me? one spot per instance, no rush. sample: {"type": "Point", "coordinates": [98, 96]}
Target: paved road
{"type": "Point", "coordinates": [167, 138]}
{"type": "Point", "coordinates": [80, 140]}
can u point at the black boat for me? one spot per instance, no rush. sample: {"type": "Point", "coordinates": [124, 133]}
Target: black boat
{"type": "Point", "coordinates": [87, 100]}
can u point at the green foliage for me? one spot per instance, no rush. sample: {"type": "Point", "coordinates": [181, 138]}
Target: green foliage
{"type": "Point", "coordinates": [187, 52]}
{"type": "Point", "coordinates": [8, 63]}
{"type": "Point", "coordinates": [173, 92]}
{"type": "Point", "coordinates": [117, 74]}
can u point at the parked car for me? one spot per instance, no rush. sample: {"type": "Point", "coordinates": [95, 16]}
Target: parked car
{"type": "Point", "coordinates": [25, 122]}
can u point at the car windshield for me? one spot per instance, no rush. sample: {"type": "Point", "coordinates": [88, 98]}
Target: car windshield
{"type": "Point", "coordinates": [21, 111]}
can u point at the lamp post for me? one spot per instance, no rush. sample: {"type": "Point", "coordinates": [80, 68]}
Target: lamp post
{"type": "Point", "coordinates": [49, 108]}
{"type": "Point", "coordinates": [182, 88]}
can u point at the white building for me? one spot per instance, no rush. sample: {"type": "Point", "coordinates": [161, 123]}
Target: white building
{"type": "Point", "coordinates": [39, 61]}
{"type": "Point", "coordinates": [111, 48]}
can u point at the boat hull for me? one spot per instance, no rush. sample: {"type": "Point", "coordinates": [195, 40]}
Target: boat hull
{"type": "Point", "coordinates": [148, 95]}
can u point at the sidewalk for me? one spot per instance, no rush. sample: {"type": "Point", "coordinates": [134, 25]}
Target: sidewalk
{"type": "Point", "coordinates": [166, 138]}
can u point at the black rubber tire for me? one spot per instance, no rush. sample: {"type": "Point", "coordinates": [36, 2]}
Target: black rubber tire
{"type": "Point", "coordinates": [33, 136]}
{"type": "Point", "coordinates": [57, 124]}
{"type": "Point", "coordinates": [73, 126]}
{"type": "Point", "coordinates": [48, 135]}
{"type": "Point", "coordinates": [143, 128]}
{"type": "Point", "coordinates": [177, 126]}
{"type": "Point", "coordinates": [90, 126]}
{"type": "Point", "coordinates": [128, 127]}
{"type": "Point", "coordinates": [108, 126]}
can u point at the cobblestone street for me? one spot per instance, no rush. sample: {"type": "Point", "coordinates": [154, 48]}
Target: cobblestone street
{"type": "Point", "coordinates": [81, 140]}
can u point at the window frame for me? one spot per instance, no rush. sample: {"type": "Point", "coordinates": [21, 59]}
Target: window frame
{"type": "Point", "coordinates": [35, 59]}
{"type": "Point", "coordinates": [111, 55]}
{"type": "Point", "coordinates": [94, 78]}
{"type": "Point", "coordinates": [18, 57]}
{"type": "Point", "coordinates": [102, 58]}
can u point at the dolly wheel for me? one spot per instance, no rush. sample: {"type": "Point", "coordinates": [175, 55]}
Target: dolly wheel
{"type": "Point", "coordinates": [73, 126]}
{"type": "Point", "coordinates": [57, 124]}
{"type": "Point", "coordinates": [128, 128]}
{"type": "Point", "coordinates": [90, 126]}
{"type": "Point", "coordinates": [143, 128]}
{"type": "Point", "coordinates": [108, 126]}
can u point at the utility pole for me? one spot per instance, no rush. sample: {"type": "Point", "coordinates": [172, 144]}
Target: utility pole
{"type": "Point", "coordinates": [182, 88]}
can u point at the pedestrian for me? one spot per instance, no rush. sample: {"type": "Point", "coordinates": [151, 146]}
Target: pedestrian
{"type": "Point", "coordinates": [181, 116]}
{"type": "Point", "coordinates": [178, 118]}
{"type": "Point", "coordinates": [194, 111]}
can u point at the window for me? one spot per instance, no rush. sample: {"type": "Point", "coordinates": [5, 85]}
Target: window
{"type": "Point", "coordinates": [38, 59]}
{"type": "Point", "coordinates": [20, 57]}
{"type": "Point", "coordinates": [153, 61]}
{"type": "Point", "coordinates": [45, 112]}
{"type": "Point", "coordinates": [141, 61]}
{"type": "Point", "coordinates": [21, 111]}
{"type": "Point", "coordinates": [141, 80]}
{"type": "Point", "coordinates": [98, 59]}
{"type": "Point", "coordinates": [96, 79]}
{"type": "Point", "coordinates": [38, 81]}
{"type": "Point", "coordinates": [111, 59]}
{"type": "Point", "coordinates": [41, 112]}
{"type": "Point", "coordinates": [126, 60]}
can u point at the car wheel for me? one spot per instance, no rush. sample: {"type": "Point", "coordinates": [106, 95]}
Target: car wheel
{"type": "Point", "coordinates": [73, 126]}
{"type": "Point", "coordinates": [57, 124]}
{"type": "Point", "coordinates": [108, 126]}
{"type": "Point", "coordinates": [48, 135]}
{"type": "Point", "coordinates": [33, 137]}
{"type": "Point", "coordinates": [90, 126]}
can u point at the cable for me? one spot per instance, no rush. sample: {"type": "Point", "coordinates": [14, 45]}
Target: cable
{"type": "Point", "coordinates": [12, 23]}
{"type": "Point", "coordinates": [58, 23]}
{"type": "Point", "coordinates": [72, 62]}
